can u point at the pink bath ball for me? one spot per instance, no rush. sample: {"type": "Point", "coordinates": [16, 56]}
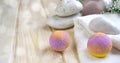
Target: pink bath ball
{"type": "Point", "coordinates": [59, 40]}
{"type": "Point", "coordinates": [99, 45]}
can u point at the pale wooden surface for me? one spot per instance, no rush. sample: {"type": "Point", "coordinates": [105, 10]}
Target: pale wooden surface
{"type": "Point", "coordinates": [8, 16]}
{"type": "Point", "coordinates": [31, 34]}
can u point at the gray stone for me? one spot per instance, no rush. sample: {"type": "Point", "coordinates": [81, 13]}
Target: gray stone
{"type": "Point", "coordinates": [93, 7]}
{"type": "Point", "coordinates": [106, 24]}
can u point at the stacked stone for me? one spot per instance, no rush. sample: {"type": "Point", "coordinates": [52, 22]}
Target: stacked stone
{"type": "Point", "coordinates": [66, 12]}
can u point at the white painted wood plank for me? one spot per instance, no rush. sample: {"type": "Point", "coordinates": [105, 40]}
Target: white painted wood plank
{"type": "Point", "coordinates": [8, 16]}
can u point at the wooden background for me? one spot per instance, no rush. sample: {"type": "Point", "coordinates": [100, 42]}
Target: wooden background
{"type": "Point", "coordinates": [24, 35]}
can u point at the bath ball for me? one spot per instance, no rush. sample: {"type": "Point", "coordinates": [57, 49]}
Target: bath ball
{"type": "Point", "coordinates": [93, 7]}
{"type": "Point", "coordinates": [59, 40]}
{"type": "Point", "coordinates": [99, 45]}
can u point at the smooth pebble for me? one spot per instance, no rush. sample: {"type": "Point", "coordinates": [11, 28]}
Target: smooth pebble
{"type": "Point", "coordinates": [62, 22]}
{"type": "Point", "coordinates": [68, 7]}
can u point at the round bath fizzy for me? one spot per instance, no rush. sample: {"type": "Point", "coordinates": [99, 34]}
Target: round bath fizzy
{"type": "Point", "coordinates": [99, 45]}
{"type": "Point", "coordinates": [59, 40]}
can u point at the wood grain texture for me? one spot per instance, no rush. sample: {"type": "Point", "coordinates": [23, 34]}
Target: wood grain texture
{"type": "Point", "coordinates": [8, 16]}
{"type": "Point", "coordinates": [31, 40]}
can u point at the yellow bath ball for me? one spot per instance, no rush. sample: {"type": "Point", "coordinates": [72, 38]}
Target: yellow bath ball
{"type": "Point", "coordinates": [59, 40]}
{"type": "Point", "coordinates": [99, 45]}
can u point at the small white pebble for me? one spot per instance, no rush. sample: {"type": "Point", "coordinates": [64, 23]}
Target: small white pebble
{"type": "Point", "coordinates": [68, 8]}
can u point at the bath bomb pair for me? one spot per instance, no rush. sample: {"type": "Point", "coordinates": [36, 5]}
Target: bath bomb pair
{"type": "Point", "coordinates": [98, 44]}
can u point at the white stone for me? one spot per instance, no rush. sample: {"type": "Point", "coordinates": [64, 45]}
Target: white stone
{"type": "Point", "coordinates": [84, 21]}
{"type": "Point", "coordinates": [68, 7]}
{"type": "Point", "coordinates": [61, 22]}
{"type": "Point", "coordinates": [106, 24]}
